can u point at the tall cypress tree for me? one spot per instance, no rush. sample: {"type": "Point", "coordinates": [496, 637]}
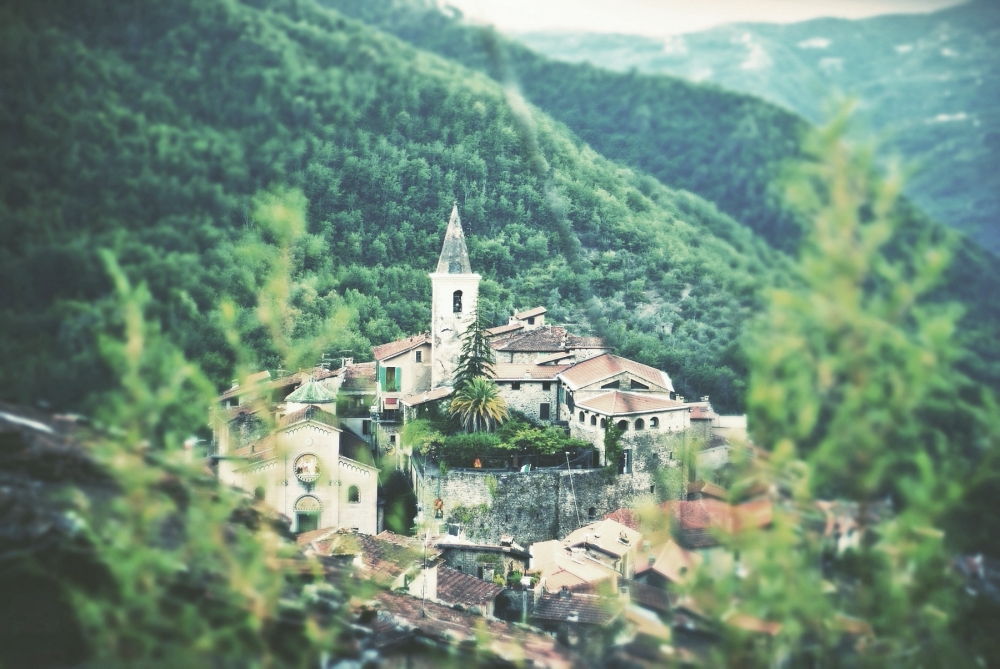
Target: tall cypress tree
{"type": "Point", "coordinates": [476, 358]}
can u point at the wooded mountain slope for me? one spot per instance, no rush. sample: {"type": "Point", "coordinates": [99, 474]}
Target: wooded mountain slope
{"type": "Point", "coordinates": [147, 128]}
{"type": "Point", "coordinates": [927, 84]}
{"type": "Point", "coordinates": [732, 149]}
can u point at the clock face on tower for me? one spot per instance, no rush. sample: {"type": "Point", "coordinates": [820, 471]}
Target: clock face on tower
{"type": "Point", "coordinates": [307, 468]}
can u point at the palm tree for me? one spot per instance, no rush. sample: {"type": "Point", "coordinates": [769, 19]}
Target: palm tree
{"type": "Point", "coordinates": [479, 405]}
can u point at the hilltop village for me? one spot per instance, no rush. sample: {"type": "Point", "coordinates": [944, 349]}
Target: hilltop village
{"type": "Point", "coordinates": [569, 542]}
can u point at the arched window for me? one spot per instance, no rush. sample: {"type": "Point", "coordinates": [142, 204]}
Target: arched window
{"type": "Point", "coordinates": [353, 494]}
{"type": "Point", "coordinates": [456, 302]}
{"type": "Point", "coordinates": [640, 424]}
{"type": "Point", "coordinates": [591, 513]}
{"type": "Point", "coordinates": [258, 494]}
{"type": "Point", "coordinates": [581, 416]}
{"type": "Point", "coordinates": [654, 423]}
{"type": "Point", "coordinates": [604, 424]}
{"type": "Point", "coordinates": [593, 420]}
{"type": "Point", "coordinates": [623, 425]}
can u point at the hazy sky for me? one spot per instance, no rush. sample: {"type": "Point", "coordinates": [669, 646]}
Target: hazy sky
{"type": "Point", "coordinates": [664, 17]}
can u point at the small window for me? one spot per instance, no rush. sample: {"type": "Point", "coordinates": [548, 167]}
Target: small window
{"type": "Point", "coordinates": [418, 356]}
{"type": "Point", "coordinates": [543, 411]}
{"type": "Point", "coordinates": [623, 425]}
{"type": "Point", "coordinates": [593, 420]}
{"type": "Point", "coordinates": [582, 416]}
{"type": "Point", "coordinates": [604, 424]}
{"type": "Point", "coordinates": [640, 424]}
{"type": "Point", "coordinates": [591, 513]}
{"type": "Point", "coordinates": [654, 423]}
{"type": "Point", "coordinates": [546, 385]}
{"type": "Point", "coordinates": [366, 427]}
{"type": "Point", "coordinates": [531, 320]}
{"type": "Point", "coordinates": [392, 439]}
{"type": "Point", "coordinates": [258, 494]}
{"type": "Point", "coordinates": [353, 494]}
{"type": "Point", "coordinates": [635, 385]}
{"type": "Point", "coordinates": [515, 385]}
{"type": "Point", "coordinates": [652, 489]}
{"type": "Point", "coordinates": [456, 302]}
{"type": "Point", "coordinates": [612, 385]}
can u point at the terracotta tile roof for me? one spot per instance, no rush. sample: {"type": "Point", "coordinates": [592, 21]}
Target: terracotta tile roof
{"type": "Point", "coordinates": [262, 449]}
{"type": "Point", "coordinates": [430, 396]}
{"type": "Point", "coordinates": [563, 355]}
{"type": "Point", "coordinates": [605, 365]}
{"type": "Point", "coordinates": [546, 339]}
{"type": "Point", "coordinates": [359, 376]}
{"type": "Point", "coordinates": [627, 517]}
{"type": "Point", "coordinates": [607, 535]}
{"type": "Point", "coordinates": [577, 608]}
{"type": "Point", "coordinates": [702, 412]}
{"type": "Point", "coordinates": [394, 348]}
{"type": "Point", "coordinates": [384, 557]}
{"type": "Point", "coordinates": [701, 520]}
{"type": "Point", "coordinates": [503, 371]}
{"type": "Point", "coordinates": [670, 561]}
{"type": "Point", "coordinates": [454, 587]}
{"type": "Point", "coordinates": [708, 489]}
{"type": "Point", "coordinates": [616, 402]}
{"type": "Point", "coordinates": [401, 618]}
{"type": "Point", "coordinates": [310, 412]}
{"type": "Point", "coordinates": [550, 558]}
{"type": "Point", "coordinates": [504, 329]}
{"type": "Point", "coordinates": [537, 311]}
{"type": "Point", "coordinates": [647, 595]}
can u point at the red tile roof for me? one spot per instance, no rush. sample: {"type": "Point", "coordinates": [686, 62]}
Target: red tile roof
{"type": "Point", "coordinates": [627, 517]}
{"type": "Point", "coordinates": [670, 561]}
{"type": "Point", "coordinates": [546, 339]}
{"type": "Point", "coordinates": [702, 412]}
{"type": "Point", "coordinates": [708, 489]}
{"type": "Point", "coordinates": [430, 396]}
{"type": "Point", "coordinates": [394, 348]}
{"type": "Point", "coordinates": [454, 587]}
{"type": "Point", "coordinates": [617, 402]}
{"type": "Point", "coordinates": [700, 520]}
{"type": "Point", "coordinates": [402, 617]}
{"type": "Point", "coordinates": [359, 376]}
{"type": "Point", "coordinates": [503, 371]}
{"type": "Point", "coordinates": [260, 381]}
{"type": "Point", "coordinates": [577, 608]}
{"type": "Point", "coordinates": [647, 595]}
{"type": "Point", "coordinates": [562, 355]}
{"type": "Point", "coordinates": [504, 329]}
{"type": "Point", "coordinates": [537, 311]}
{"type": "Point", "coordinates": [606, 365]}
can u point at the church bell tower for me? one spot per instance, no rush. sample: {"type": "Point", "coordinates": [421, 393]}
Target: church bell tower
{"type": "Point", "coordinates": [453, 305]}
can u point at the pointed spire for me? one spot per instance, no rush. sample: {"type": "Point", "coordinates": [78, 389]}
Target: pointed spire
{"type": "Point", "coordinates": [454, 256]}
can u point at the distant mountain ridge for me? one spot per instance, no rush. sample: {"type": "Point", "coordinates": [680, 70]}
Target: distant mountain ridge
{"type": "Point", "coordinates": [927, 84]}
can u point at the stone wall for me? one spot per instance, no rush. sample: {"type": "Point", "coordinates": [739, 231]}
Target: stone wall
{"type": "Point", "coordinates": [528, 398]}
{"type": "Point", "coordinates": [550, 503]}
{"type": "Point", "coordinates": [470, 560]}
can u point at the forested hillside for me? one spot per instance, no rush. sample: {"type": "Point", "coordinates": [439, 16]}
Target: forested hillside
{"type": "Point", "coordinates": [927, 84]}
{"type": "Point", "coordinates": [148, 129]}
{"type": "Point", "coordinates": [732, 149]}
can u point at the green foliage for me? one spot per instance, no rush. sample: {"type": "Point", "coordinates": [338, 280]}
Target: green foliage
{"type": "Point", "coordinates": [612, 445]}
{"type": "Point", "coordinates": [855, 392]}
{"type": "Point", "coordinates": [188, 565]}
{"type": "Point", "coordinates": [493, 485]}
{"type": "Point", "coordinates": [476, 357]}
{"type": "Point", "coordinates": [420, 435]}
{"type": "Point", "coordinates": [545, 440]}
{"type": "Point", "coordinates": [371, 140]}
{"type": "Point", "coordinates": [478, 405]}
